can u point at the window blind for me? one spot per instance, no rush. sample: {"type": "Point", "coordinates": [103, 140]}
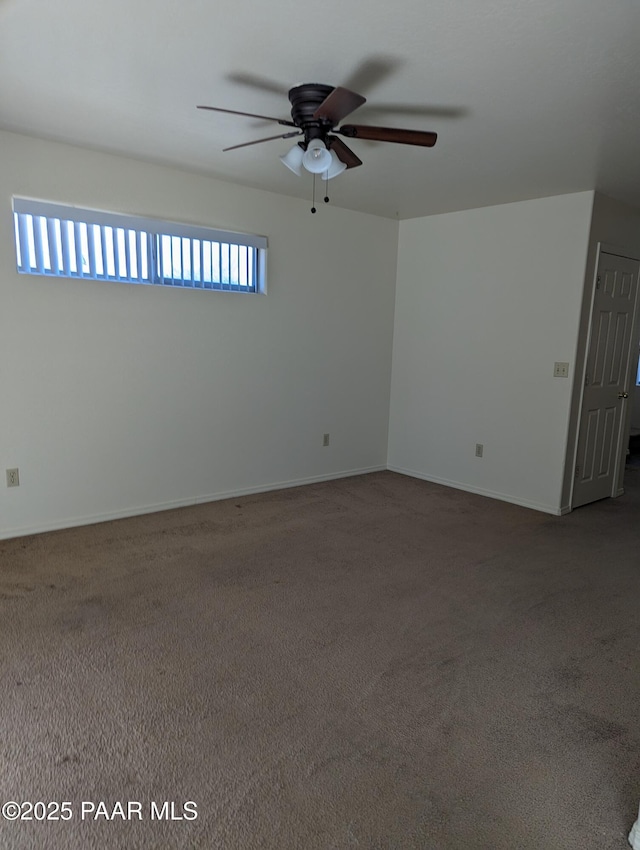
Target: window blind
{"type": "Point", "coordinates": [67, 241]}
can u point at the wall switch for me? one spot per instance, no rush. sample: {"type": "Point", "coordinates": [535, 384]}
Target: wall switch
{"type": "Point", "coordinates": [560, 370]}
{"type": "Point", "coordinates": [479, 449]}
{"type": "Point", "coordinates": [13, 477]}
{"type": "Point", "coordinates": [325, 439]}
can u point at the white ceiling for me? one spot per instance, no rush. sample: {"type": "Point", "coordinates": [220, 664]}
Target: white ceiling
{"type": "Point", "coordinates": [529, 98]}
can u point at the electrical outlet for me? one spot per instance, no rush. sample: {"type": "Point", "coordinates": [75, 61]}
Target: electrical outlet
{"type": "Point", "coordinates": [325, 440]}
{"type": "Point", "coordinates": [13, 477]}
{"type": "Point", "coordinates": [479, 449]}
{"type": "Point", "coordinates": [560, 370]}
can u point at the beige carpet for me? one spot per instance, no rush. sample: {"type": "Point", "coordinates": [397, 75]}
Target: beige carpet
{"type": "Point", "coordinates": [376, 662]}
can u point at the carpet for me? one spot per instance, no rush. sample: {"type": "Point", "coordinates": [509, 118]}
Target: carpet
{"type": "Point", "coordinates": [375, 662]}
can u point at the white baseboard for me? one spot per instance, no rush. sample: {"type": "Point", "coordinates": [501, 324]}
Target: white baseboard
{"type": "Point", "coordinates": [140, 510]}
{"type": "Point", "coordinates": [480, 491]}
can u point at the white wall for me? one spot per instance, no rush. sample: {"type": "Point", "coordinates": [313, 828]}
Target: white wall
{"type": "Point", "coordinates": [486, 301]}
{"type": "Point", "coordinates": [117, 399]}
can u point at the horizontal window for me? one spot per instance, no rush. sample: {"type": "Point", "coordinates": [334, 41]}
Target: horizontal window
{"type": "Point", "coordinates": [65, 241]}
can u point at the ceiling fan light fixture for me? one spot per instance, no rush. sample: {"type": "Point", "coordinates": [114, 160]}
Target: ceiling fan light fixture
{"type": "Point", "coordinates": [293, 160]}
{"type": "Point", "coordinates": [317, 158]}
{"type": "Point", "coordinates": [337, 167]}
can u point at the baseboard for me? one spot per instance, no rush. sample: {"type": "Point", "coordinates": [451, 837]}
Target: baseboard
{"type": "Point", "coordinates": [140, 510]}
{"type": "Point", "coordinates": [479, 491]}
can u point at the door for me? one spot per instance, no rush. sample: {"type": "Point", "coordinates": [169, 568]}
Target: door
{"type": "Point", "coordinates": [603, 418]}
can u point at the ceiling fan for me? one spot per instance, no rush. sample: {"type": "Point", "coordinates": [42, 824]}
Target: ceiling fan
{"type": "Point", "coordinates": [316, 110]}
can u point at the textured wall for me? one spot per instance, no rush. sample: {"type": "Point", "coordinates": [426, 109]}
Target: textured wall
{"type": "Point", "coordinates": [486, 301]}
{"type": "Point", "coordinates": [119, 398]}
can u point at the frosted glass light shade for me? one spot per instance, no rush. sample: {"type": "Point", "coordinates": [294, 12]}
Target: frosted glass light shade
{"type": "Point", "coordinates": [316, 158]}
{"type": "Point", "coordinates": [293, 160]}
{"type": "Point", "coordinates": [337, 167]}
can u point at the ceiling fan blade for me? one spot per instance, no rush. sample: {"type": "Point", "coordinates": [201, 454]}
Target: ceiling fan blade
{"type": "Point", "coordinates": [371, 72]}
{"type": "Point", "coordinates": [343, 153]}
{"type": "Point", "coordinates": [414, 109]}
{"type": "Point", "coordinates": [249, 115]}
{"type": "Point", "coordinates": [257, 82]}
{"type": "Point", "coordinates": [258, 141]}
{"type": "Point", "coordinates": [389, 134]}
{"type": "Point", "coordinates": [338, 105]}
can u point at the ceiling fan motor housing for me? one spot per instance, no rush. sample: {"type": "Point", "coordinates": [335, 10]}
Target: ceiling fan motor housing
{"type": "Point", "coordinates": [305, 100]}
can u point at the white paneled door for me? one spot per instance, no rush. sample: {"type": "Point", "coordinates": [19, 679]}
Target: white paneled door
{"type": "Point", "coordinates": [608, 380]}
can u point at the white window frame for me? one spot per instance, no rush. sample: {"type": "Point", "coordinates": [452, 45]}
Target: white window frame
{"type": "Point", "coordinates": [58, 240]}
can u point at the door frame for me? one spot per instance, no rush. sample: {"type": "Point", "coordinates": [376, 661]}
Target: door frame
{"type": "Point", "coordinates": [634, 341]}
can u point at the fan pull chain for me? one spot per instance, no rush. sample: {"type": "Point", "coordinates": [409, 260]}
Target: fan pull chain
{"type": "Point", "coordinates": [313, 198]}
{"type": "Point", "coordinates": [326, 188]}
